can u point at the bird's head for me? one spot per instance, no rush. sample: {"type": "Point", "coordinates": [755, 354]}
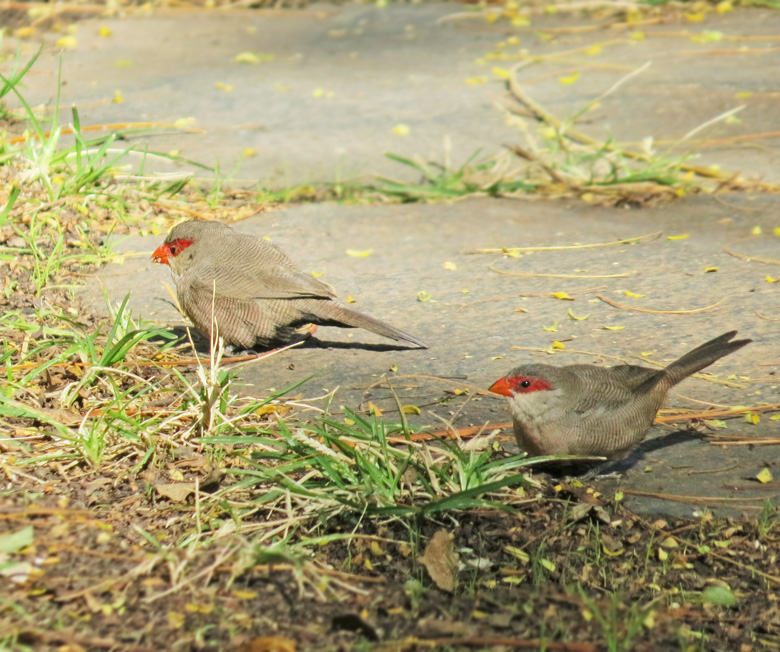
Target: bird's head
{"type": "Point", "coordinates": [533, 390]}
{"type": "Point", "coordinates": [181, 244]}
{"type": "Point", "coordinates": [168, 250]}
{"type": "Point", "coordinates": [519, 383]}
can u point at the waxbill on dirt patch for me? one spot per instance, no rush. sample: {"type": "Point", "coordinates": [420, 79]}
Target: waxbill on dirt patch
{"type": "Point", "coordinates": [587, 410]}
{"type": "Point", "coordinates": [255, 292]}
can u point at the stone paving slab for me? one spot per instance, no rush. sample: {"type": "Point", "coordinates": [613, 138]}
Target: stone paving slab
{"type": "Point", "coordinates": [377, 68]}
{"type": "Point", "coordinates": [472, 334]}
{"type": "Point", "coordinates": [342, 77]}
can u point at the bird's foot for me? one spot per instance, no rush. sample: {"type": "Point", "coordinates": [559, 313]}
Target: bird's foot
{"type": "Point", "coordinates": [304, 333]}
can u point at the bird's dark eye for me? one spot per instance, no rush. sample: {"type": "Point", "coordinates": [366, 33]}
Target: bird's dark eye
{"type": "Point", "coordinates": [173, 249]}
{"type": "Point", "coordinates": [525, 384]}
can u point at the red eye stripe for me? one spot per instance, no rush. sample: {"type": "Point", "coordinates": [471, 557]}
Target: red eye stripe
{"type": "Point", "coordinates": [512, 385]}
{"type": "Point", "coordinates": [528, 384]}
{"type": "Point", "coordinates": [178, 245]}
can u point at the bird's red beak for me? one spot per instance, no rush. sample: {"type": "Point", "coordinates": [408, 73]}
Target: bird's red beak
{"type": "Point", "coordinates": [161, 254]}
{"type": "Point", "coordinates": [501, 386]}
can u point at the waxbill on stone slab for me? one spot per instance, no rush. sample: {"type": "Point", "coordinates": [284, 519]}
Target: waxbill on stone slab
{"type": "Point", "coordinates": [596, 411]}
{"type": "Point", "coordinates": [254, 291]}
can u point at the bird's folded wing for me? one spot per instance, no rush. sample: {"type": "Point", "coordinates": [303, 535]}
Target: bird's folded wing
{"type": "Point", "coordinates": [602, 398]}
{"type": "Point", "coordinates": [267, 281]}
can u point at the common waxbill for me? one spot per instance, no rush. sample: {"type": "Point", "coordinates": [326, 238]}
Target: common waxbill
{"type": "Point", "coordinates": [254, 291]}
{"type": "Point", "coordinates": [587, 410]}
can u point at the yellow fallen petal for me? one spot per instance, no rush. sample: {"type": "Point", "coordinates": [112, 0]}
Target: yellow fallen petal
{"type": "Point", "coordinates": [245, 595]}
{"type": "Point", "coordinates": [558, 345]}
{"type": "Point", "coordinates": [592, 50]}
{"type": "Point", "coordinates": [176, 620]}
{"type": "Point", "coordinates": [356, 253]}
{"type": "Point", "coordinates": [769, 279]}
{"type": "Point", "coordinates": [67, 42]}
{"type": "Point", "coordinates": [575, 317]}
{"type": "Point", "coordinates": [401, 130]}
{"type": "Point", "coordinates": [104, 31]}
{"type": "Point", "coordinates": [228, 88]}
{"type": "Point", "coordinates": [752, 418]}
{"type": "Point", "coordinates": [551, 329]}
{"type": "Point", "coordinates": [184, 122]}
{"type": "Point", "coordinates": [764, 476]}
{"type": "Point", "coordinates": [318, 274]}
{"type": "Point", "coordinates": [682, 236]}
{"type": "Point", "coordinates": [350, 300]}
{"type": "Point", "coordinates": [249, 152]}
{"type": "Point", "coordinates": [117, 99]}
{"type": "Point", "coordinates": [613, 328]}
{"type": "Point", "coordinates": [411, 409]}
{"type": "Point", "coordinates": [247, 57]}
{"type": "Point", "coordinates": [570, 79]}
{"type": "Point", "coordinates": [563, 296]}
{"type": "Point", "coordinates": [628, 293]}
{"type": "Point", "coordinates": [707, 270]}
{"type": "Point", "coordinates": [24, 32]}
{"type": "Point", "coordinates": [503, 73]}
{"type": "Point", "coordinates": [776, 230]}
{"type": "Point", "coordinates": [450, 266]}
{"type": "Point", "coordinates": [373, 408]}
{"type": "Point", "coordinates": [723, 7]}
{"type": "Point", "coordinates": [637, 35]}
{"type": "Point", "coordinates": [475, 81]}
{"type": "Point", "coordinates": [756, 230]}
{"type": "Point", "coordinates": [423, 296]}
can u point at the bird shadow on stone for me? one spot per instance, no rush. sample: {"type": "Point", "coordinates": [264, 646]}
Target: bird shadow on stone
{"type": "Point", "coordinates": [317, 343]}
{"type": "Point", "coordinates": [620, 467]}
{"type": "Point", "coordinates": [202, 344]}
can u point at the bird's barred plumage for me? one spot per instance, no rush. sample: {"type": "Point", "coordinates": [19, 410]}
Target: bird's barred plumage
{"type": "Point", "coordinates": [254, 292]}
{"type": "Point", "coordinates": [587, 410]}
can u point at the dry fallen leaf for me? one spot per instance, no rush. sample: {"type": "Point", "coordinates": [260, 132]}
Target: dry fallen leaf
{"type": "Point", "coordinates": [175, 491]}
{"type": "Point", "coordinates": [441, 560]}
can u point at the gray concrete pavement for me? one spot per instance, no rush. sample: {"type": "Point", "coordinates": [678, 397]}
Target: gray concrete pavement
{"type": "Point", "coordinates": [478, 335]}
{"type": "Point", "coordinates": [325, 106]}
{"type": "Point", "coordinates": [343, 77]}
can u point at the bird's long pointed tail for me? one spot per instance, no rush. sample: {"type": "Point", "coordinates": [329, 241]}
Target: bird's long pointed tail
{"type": "Point", "coordinates": [700, 357]}
{"type": "Point", "coordinates": [342, 316]}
